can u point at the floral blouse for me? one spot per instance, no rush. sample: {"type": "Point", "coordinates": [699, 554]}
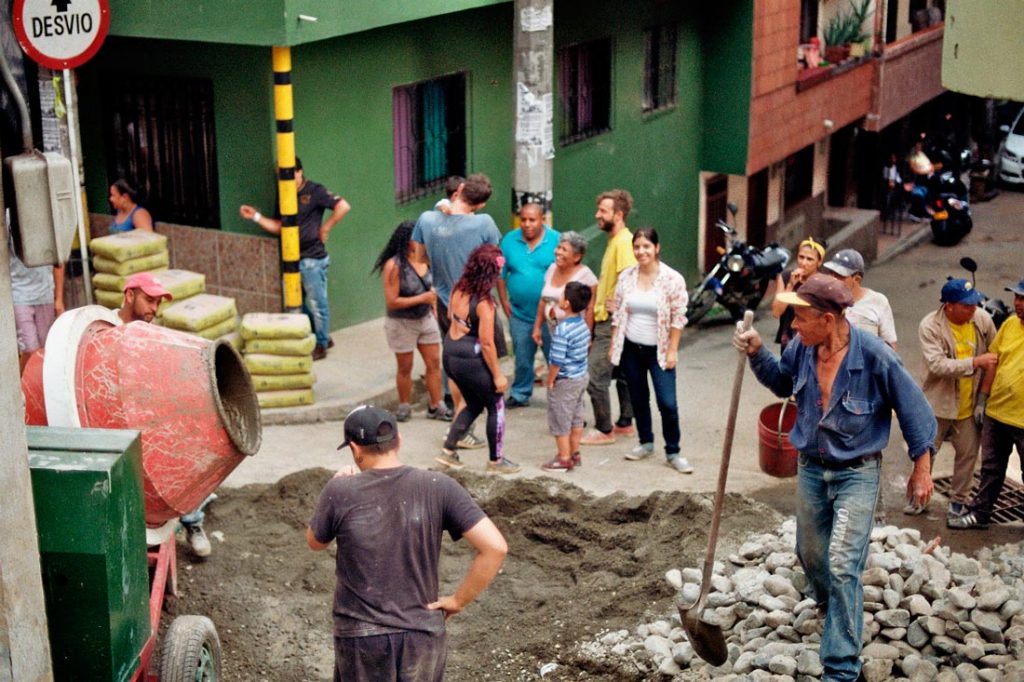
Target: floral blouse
{"type": "Point", "coordinates": [672, 300]}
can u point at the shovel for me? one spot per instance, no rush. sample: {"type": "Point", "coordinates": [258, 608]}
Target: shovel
{"type": "Point", "coordinates": [707, 640]}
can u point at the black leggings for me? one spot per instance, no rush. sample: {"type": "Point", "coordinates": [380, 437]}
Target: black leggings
{"type": "Point", "coordinates": [466, 367]}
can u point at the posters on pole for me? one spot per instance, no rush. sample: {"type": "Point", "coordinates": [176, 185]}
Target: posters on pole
{"type": "Point", "coordinates": [535, 124]}
{"type": "Point", "coordinates": [533, 19]}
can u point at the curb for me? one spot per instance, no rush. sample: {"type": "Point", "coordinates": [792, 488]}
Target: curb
{"type": "Point", "coordinates": [914, 239]}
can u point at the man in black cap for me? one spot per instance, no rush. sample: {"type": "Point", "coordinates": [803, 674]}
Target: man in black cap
{"type": "Point", "coordinates": [388, 519]}
{"type": "Point", "coordinates": [847, 382]}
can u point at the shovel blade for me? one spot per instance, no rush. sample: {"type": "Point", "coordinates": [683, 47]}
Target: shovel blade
{"type": "Point", "coordinates": [707, 640]}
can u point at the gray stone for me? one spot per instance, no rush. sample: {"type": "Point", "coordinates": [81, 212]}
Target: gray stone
{"type": "Point", "coordinates": [914, 582]}
{"type": "Point", "coordinates": [907, 551]}
{"type": "Point", "coordinates": [876, 670]}
{"type": "Point", "coordinates": [692, 575]}
{"type": "Point", "coordinates": [934, 625]}
{"type": "Point", "coordinates": [782, 665]}
{"type": "Point", "coordinates": [744, 664]}
{"type": "Point", "coordinates": [995, 660]}
{"type": "Point", "coordinates": [876, 576]}
{"type": "Point", "coordinates": [947, 675]}
{"type": "Point", "coordinates": [661, 628]}
{"type": "Point", "coordinates": [675, 578]}
{"type": "Point", "coordinates": [683, 653]}
{"type": "Point", "coordinates": [717, 599]}
{"type": "Point", "coordinates": [972, 649]}
{"type": "Point", "coordinates": [754, 633]}
{"type": "Point", "coordinates": [806, 622]}
{"type": "Point", "coordinates": [893, 634]}
{"type": "Point", "coordinates": [669, 668]}
{"type": "Point", "coordinates": [879, 650]}
{"type": "Point", "coordinates": [917, 637]}
{"type": "Point", "coordinates": [770, 603]}
{"type": "Point", "coordinates": [893, 618]}
{"type": "Point", "coordinates": [1011, 608]}
{"type": "Point", "coordinates": [689, 593]}
{"type": "Point", "coordinates": [777, 560]}
{"type": "Point", "coordinates": [614, 637]}
{"type": "Point", "coordinates": [777, 586]}
{"type": "Point", "coordinates": [885, 560]}
{"type": "Point", "coordinates": [960, 598]}
{"type": "Point", "coordinates": [909, 663]}
{"type": "Point", "coordinates": [955, 631]}
{"type": "Point", "coordinates": [720, 583]}
{"type": "Point", "coordinates": [925, 672]}
{"type": "Point", "coordinates": [751, 550]}
{"type": "Point", "coordinates": [724, 616]}
{"type": "Point", "coordinates": [943, 644]}
{"type": "Point", "coordinates": [803, 605]}
{"type": "Point", "coordinates": [989, 675]}
{"type": "Point", "coordinates": [807, 663]}
{"type": "Point", "coordinates": [755, 644]}
{"type": "Point", "coordinates": [966, 672]}
{"type": "Point", "coordinates": [777, 619]}
{"type": "Point", "coordinates": [989, 624]}
{"type": "Point", "coordinates": [891, 598]}
{"type": "Point", "coordinates": [992, 596]}
{"type": "Point", "coordinates": [659, 647]}
{"type": "Point", "coordinates": [873, 594]}
{"type": "Point", "coordinates": [896, 582]}
{"type": "Point", "coordinates": [961, 565]}
{"type": "Point", "coordinates": [917, 605]}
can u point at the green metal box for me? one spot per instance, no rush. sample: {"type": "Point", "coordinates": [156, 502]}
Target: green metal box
{"type": "Point", "coordinates": [87, 485]}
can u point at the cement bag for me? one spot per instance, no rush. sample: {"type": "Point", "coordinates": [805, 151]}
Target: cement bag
{"type": "Point", "coordinates": [108, 299]}
{"type": "Point", "coordinates": [302, 396]}
{"type": "Point", "coordinates": [235, 339]}
{"type": "Point", "coordinates": [261, 363]}
{"type": "Point", "coordinates": [218, 330]}
{"type": "Point", "coordinates": [275, 326]}
{"type": "Point", "coordinates": [108, 282]}
{"type": "Point", "coordinates": [281, 382]}
{"type": "Point", "coordinates": [282, 346]}
{"type": "Point", "coordinates": [123, 246]}
{"type": "Point", "coordinates": [148, 263]}
{"type": "Point", "coordinates": [182, 283]}
{"type": "Point", "coordinates": [199, 312]}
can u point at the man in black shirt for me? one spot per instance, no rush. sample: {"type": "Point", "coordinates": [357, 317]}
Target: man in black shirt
{"type": "Point", "coordinates": [314, 199]}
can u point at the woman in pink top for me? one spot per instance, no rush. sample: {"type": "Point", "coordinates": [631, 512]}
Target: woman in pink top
{"type": "Point", "coordinates": [568, 267]}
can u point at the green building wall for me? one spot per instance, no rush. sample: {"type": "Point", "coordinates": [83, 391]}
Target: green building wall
{"type": "Point", "coordinates": [343, 120]}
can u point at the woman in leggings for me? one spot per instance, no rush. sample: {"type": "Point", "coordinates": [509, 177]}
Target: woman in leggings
{"type": "Point", "coordinates": [470, 358]}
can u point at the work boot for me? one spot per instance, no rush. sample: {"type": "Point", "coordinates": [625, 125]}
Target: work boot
{"type": "Point", "coordinates": [319, 352]}
{"type": "Point", "coordinates": [198, 541]}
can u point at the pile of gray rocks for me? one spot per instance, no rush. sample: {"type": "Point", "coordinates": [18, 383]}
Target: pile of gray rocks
{"type": "Point", "coordinates": [929, 615]}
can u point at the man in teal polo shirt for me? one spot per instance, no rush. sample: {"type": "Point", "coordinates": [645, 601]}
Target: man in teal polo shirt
{"type": "Point", "coordinates": [529, 252]}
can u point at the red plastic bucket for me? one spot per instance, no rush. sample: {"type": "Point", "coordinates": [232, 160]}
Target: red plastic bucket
{"type": "Point", "coordinates": [776, 455]}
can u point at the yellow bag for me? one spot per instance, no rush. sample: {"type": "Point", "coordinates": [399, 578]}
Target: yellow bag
{"type": "Point", "coordinates": [282, 346]}
{"type": "Point", "coordinates": [302, 396]}
{"type": "Point", "coordinates": [199, 312]}
{"type": "Point", "coordinates": [109, 299]}
{"type": "Point", "coordinates": [148, 263]}
{"type": "Point", "coordinates": [218, 330]}
{"type": "Point", "coordinates": [275, 326]}
{"type": "Point", "coordinates": [261, 363]}
{"type": "Point", "coordinates": [124, 246]}
{"type": "Point", "coordinates": [281, 382]}
{"type": "Point", "coordinates": [234, 338]}
{"type": "Point", "coordinates": [182, 283]}
{"type": "Point", "coordinates": [108, 282]}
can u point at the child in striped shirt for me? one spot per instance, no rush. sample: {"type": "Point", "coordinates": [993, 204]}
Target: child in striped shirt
{"type": "Point", "coordinates": [568, 378]}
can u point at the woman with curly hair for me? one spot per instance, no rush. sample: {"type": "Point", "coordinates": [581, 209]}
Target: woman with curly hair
{"type": "Point", "coordinates": [411, 322]}
{"type": "Point", "coordinates": [472, 347]}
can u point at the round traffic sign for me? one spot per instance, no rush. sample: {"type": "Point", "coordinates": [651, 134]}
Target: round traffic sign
{"type": "Point", "coordinates": [61, 34]}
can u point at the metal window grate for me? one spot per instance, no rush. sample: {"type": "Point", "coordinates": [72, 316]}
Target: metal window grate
{"type": "Point", "coordinates": [659, 67]}
{"type": "Point", "coordinates": [585, 90]}
{"type": "Point", "coordinates": [1009, 506]}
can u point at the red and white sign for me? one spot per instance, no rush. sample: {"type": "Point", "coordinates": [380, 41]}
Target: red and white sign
{"type": "Point", "coordinates": [61, 34]}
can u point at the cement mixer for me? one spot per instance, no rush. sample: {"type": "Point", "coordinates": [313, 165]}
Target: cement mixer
{"type": "Point", "coordinates": [192, 402]}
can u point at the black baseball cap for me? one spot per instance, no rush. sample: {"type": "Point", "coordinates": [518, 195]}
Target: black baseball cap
{"type": "Point", "coordinates": [368, 425]}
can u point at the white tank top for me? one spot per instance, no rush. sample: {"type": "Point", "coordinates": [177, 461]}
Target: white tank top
{"type": "Point", "coordinates": [642, 320]}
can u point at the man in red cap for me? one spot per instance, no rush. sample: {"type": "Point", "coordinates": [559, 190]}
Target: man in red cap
{"type": "Point", "coordinates": [142, 296]}
{"type": "Point", "coordinates": [847, 382]}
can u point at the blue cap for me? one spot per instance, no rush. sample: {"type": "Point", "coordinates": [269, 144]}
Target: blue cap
{"type": "Point", "coordinates": [1017, 288]}
{"type": "Point", "coordinates": [960, 291]}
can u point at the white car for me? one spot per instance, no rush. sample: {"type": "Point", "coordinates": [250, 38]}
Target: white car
{"type": "Point", "coordinates": [1011, 153]}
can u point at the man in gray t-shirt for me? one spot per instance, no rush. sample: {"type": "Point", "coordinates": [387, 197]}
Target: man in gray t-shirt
{"type": "Point", "coordinates": [38, 295]}
{"type": "Point", "coordinates": [388, 520]}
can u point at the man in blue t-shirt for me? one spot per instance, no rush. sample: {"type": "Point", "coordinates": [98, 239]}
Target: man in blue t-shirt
{"type": "Point", "coordinates": [529, 252]}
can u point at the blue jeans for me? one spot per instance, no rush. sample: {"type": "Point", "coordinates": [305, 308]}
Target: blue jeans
{"type": "Point", "coordinates": [636, 363]}
{"type": "Point", "coordinates": [835, 511]}
{"type": "Point", "coordinates": [525, 350]}
{"type": "Point", "coordinates": [196, 517]}
{"type": "Point", "coordinates": [314, 296]}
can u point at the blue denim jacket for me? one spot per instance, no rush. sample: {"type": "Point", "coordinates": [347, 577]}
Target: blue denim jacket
{"type": "Point", "coordinates": [870, 383]}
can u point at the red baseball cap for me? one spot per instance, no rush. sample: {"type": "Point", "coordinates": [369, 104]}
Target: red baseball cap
{"type": "Point", "coordinates": [149, 284]}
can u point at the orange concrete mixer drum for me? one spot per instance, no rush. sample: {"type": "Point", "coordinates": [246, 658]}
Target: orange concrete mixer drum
{"type": "Point", "coordinates": [192, 400]}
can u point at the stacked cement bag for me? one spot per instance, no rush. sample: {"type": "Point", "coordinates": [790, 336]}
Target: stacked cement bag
{"type": "Point", "coordinates": [279, 354]}
{"type": "Point", "coordinates": [125, 253]}
{"type": "Point", "coordinates": [204, 315]}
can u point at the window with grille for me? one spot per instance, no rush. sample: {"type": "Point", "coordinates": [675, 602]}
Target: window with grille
{"type": "Point", "coordinates": [160, 137]}
{"type": "Point", "coordinates": [585, 89]}
{"type": "Point", "coordinates": [429, 134]}
{"type": "Point", "coordinates": [660, 67]}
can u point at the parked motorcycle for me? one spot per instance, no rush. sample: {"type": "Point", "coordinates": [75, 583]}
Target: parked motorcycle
{"type": "Point", "coordinates": [995, 307]}
{"type": "Point", "coordinates": [950, 210]}
{"type": "Point", "coordinates": [740, 278]}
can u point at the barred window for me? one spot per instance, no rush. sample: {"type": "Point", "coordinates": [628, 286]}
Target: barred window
{"type": "Point", "coordinates": [660, 67]}
{"type": "Point", "coordinates": [585, 89]}
{"type": "Point", "coordinates": [160, 137]}
{"type": "Point", "coordinates": [429, 120]}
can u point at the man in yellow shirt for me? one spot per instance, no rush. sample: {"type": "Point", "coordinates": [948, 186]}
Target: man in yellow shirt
{"type": "Point", "coordinates": [613, 208]}
{"type": "Point", "coordinates": [1003, 426]}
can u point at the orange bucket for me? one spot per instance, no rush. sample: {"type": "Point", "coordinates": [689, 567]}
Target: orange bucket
{"type": "Point", "coordinates": [776, 455]}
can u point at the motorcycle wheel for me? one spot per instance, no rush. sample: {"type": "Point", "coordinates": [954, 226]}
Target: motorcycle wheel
{"type": "Point", "coordinates": [944, 233]}
{"type": "Point", "coordinates": [736, 311]}
{"type": "Point", "coordinates": [701, 303]}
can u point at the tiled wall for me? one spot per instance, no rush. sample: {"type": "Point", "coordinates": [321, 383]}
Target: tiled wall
{"type": "Point", "coordinates": [244, 267]}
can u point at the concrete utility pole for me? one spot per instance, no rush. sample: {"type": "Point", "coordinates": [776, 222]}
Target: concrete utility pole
{"type": "Point", "coordinates": [534, 47]}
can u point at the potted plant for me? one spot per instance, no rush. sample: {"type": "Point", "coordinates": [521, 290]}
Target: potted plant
{"type": "Point", "coordinates": [846, 29]}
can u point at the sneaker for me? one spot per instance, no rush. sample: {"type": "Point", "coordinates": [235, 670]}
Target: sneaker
{"type": "Point", "coordinates": [440, 413]}
{"type": "Point", "coordinates": [403, 412]}
{"type": "Point", "coordinates": [319, 352]}
{"type": "Point", "coordinates": [623, 427]}
{"type": "Point", "coordinates": [198, 541]}
{"type": "Point", "coordinates": [681, 465]}
{"type": "Point", "coordinates": [558, 465]}
{"type": "Point", "coordinates": [502, 466]}
{"type": "Point", "coordinates": [512, 403]}
{"type": "Point", "coordinates": [577, 459]}
{"type": "Point", "coordinates": [912, 509]}
{"type": "Point", "coordinates": [966, 522]}
{"type": "Point", "coordinates": [595, 437]}
{"type": "Point", "coordinates": [471, 442]}
{"type": "Point", "coordinates": [642, 451]}
{"type": "Point", "coordinates": [956, 509]}
{"type": "Point", "coordinates": [449, 458]}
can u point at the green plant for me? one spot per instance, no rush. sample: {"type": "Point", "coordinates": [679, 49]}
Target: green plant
{"type": "Point", "coordinates": [847, 27]}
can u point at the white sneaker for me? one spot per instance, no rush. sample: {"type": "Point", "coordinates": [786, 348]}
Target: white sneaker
{"type": "Point", "coordinates": [471, 442]}
{"type": "Point", "coordinates": [642, 451]}
{"type": "Point", "coordinates": [681, 465]}
{"type": "Point", "coordinates": [198, 541]}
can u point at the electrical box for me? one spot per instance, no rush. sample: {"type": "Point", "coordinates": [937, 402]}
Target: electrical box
{"type": "Point", "coordinates": [87, 487]}
{"type": "Point", "coordinates": [40, 192]}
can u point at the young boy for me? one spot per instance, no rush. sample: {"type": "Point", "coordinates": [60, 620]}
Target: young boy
{"type": "Point", "coordinates": [568, 378]}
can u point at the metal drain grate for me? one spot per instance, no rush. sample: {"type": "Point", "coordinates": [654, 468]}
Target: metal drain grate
{"type": "Point", "coordinates": [1009, 506]}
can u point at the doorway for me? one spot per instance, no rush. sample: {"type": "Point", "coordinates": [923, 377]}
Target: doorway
{"type": "Point", "coordinates": [716, 197]}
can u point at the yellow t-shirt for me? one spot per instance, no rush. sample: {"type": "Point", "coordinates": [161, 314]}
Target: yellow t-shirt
{"type": "Point", "coordinates": [966, 342]}
{"type": "Point", "coordinates": [617, 257]}
{"type": "Point", "coordinates": [1006, 401]}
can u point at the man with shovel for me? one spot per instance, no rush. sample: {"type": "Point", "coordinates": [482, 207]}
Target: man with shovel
{"type": "Point", "coordinates": [847, 383]}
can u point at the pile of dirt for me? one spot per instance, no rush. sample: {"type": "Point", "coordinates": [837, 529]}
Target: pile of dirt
{"type": "Point", "coordinates": [577, 565]}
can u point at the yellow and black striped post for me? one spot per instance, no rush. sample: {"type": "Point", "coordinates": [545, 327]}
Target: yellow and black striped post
{"type": "Point", "coordinates": [287, 195]}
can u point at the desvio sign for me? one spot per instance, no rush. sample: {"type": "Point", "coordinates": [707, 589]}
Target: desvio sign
{"type": "Point", "coordinates": [61, 34]}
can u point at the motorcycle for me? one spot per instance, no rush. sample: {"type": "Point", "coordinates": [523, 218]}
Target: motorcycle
{"type": "Point", "coordinates": [740, 278]}
{"type": "Point", "coordinates": [951, 210]}
{"type": "Point", "coordinates": [995, 307]}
